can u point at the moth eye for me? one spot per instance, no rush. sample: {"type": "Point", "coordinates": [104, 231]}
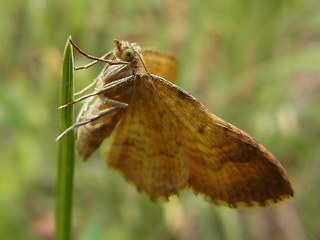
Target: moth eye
{"type": "Point", "coordinates": [127, 55]}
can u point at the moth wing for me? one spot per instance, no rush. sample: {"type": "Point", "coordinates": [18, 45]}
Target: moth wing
{"type": "Point", "coordinates": [160, 64]}
{"type": "Point", "coordinates": [225, 164]}
{"type": "Point", "coordinates": [145, 146]}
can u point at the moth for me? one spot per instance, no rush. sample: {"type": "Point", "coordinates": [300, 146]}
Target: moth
{"type": "Point", "coordinates": [163, 140]}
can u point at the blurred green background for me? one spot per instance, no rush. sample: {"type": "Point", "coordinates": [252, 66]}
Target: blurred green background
{"type": "Point", "coordinates": [255, 63]}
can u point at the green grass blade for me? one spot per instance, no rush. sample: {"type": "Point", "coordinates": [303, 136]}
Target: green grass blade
{"type": "Point", "coordinates": [66, 154]}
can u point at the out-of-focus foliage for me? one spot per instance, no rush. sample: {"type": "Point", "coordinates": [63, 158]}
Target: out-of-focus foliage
{"type": "Point", "coordinates": [255, 63]}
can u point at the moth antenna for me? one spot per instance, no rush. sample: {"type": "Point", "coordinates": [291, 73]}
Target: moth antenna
{"type": "Point", "coordinates": [143, 64]}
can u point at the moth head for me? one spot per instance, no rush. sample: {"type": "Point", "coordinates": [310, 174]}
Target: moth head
{"type": "Point", "coordinates": [126, 51]}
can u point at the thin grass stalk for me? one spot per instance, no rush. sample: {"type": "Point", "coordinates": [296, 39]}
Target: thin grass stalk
{"type": "Point", "coordinates": [66, 152]}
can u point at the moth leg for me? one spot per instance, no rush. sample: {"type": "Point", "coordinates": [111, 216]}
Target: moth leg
{"type": "Point", "coordinates": [102, 59]}
{"type": "Point", "coordinates": [109, 101]}
{"type": "Point", "coordinates": [113, 102]}
{"type": "Point", "coordinates": [110, 62]}
{"type": "Point", "coordinates": [96, 59]}
{"type": "Point", "coordinates": [92, 118]}
{"type": "Point", "coordinates": [95, 80]}
{"type": "Point", "coordinates": [86, 88]}
{"type": "Point", "coordinates": [109, 86]}
{"type": "Point", "coordinates": [105, 56]}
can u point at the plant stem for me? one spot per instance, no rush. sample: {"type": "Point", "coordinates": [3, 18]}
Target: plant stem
{"type": "Point", "coordinates": [66, 154]}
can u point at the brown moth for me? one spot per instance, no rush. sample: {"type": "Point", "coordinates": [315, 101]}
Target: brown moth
{"type": "Point", "coordinates": [163, 140]}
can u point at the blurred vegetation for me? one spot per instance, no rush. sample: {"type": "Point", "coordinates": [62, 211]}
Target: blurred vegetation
{"type": "Point", "coordinates": [254, 63]}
